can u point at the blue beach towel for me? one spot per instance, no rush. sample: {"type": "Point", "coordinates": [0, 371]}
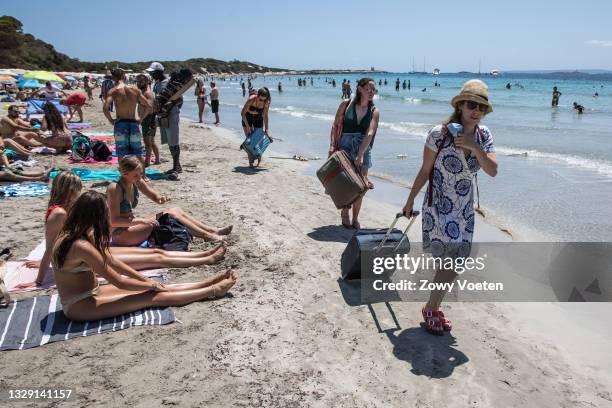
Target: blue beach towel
{"type": "Point", "coordinates": [23, 190]}
{"type": "Point", "coordinates": [112, 175]}
{"type": "Point", "coordinates": [36, 106]}
{"type": "Point", "coordinates": [40, 320]}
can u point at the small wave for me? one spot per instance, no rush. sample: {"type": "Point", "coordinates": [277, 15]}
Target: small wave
{"type": "Point", "coordinates": [599, 166]}
{"type": "Point", "coordinates": [409, 128]}
{"type": "Point", "coordinates": [414, 101]}
{"type": "Point", "coordinates": [229, 104]}
{"type": "Point", "coordinates": [300, 113]}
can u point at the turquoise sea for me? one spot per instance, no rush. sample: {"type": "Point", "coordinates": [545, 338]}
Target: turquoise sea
{"type": "Point", "coordinates": [555, 166]}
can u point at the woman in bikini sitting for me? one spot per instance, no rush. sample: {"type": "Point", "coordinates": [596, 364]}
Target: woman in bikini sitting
{"type": "Point", "coordinates": [66, 188]}
{"type": "Point", "coordinates": [255, 116]}
{"type": "Point", "coordinates": [60, 138]}
{"type": "Point", "coordinates": [123, 198]}
{"type": "Point", "coordinates": [81, 253]}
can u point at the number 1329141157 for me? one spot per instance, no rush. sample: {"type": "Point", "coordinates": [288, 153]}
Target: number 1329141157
{"type": "Point", "coordinates": [45, 393]}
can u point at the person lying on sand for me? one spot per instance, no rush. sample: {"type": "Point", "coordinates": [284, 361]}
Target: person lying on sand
{"type": "Point", "coordinates": [65, 190]}
{"type": "Point", "coordinates": [123, 198]}
{"type": "Point", "coordinates": [7, 173]}
{"type": "Point", "coordinates": [81, 253]}
{"type": "Point", "coordinates": [14, 128]}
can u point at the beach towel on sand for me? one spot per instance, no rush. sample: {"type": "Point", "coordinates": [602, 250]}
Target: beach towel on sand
{"type": "Point", "coordinates": [17, 273]}
{"type": "Point", "coordinates": [96, 175]}
{"type": "Point", "coordinates": [23, 190]}
{"type": "Point", "coordinates": [36, 106]}
{"type": "Point", "coordinates": [40, 320]}
{"type": "Point", "coordinates": [78, 125]}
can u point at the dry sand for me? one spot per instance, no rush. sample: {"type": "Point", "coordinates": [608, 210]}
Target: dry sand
{"type": "Point", "coordinates": [287, 337]}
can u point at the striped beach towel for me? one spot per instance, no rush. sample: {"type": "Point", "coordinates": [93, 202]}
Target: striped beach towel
{"type": "Point", "coordinates": [40, 320]}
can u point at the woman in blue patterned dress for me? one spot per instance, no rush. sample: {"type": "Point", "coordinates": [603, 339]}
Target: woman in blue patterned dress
{"type": "Point", "coordinates": [450, 163]}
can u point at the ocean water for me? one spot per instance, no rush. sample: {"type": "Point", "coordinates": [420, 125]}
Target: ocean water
{"type": "Point", "coordinates": [555, 166]}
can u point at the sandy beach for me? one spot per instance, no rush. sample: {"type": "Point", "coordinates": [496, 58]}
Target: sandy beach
{"type": "Point", "coordinates": [292, 334]}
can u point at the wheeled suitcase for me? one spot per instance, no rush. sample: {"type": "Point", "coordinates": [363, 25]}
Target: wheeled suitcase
{"type": "Point", "coordinates": [378, 242]}
{"type": "Point", "coordinates": [341, 180]}
{"type": "Point", "coordinates": [256, 143]}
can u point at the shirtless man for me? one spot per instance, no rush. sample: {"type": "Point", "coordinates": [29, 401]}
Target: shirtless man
{"type": "Point", "coordinates": [148, 121]}
{"type": "Point", "coordinates": [214, 102]}
{"type": "Point", "coordinates": [126, 127]}
{"type": "Point", "coordinates": [17, 129]}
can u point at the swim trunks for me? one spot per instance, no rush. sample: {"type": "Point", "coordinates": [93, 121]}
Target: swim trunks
{"type": "Point", "coordinates": [127, 138]}
{"type": "Point", "coordinates": [148, 126]}
{"type": "Point", "coordinates": [214, 104]}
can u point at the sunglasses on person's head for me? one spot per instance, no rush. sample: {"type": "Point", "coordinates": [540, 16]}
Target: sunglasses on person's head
{"type": "Point", "coordinates": [471, 105]}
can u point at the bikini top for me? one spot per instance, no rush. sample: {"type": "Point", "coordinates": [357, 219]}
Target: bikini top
{"type": "Point", "coordinates": [50, 210]}
{"type": "Point", "coordinates": [258, 111]}
{"type": "Point", "coordinates": [126, 206]}
{"type": "Point", "coordinates": [82, 267]}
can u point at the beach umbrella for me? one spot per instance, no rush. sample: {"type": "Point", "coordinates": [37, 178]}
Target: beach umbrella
{"type": "Point", "coordinates": [7, 79]}
{"type": "Point", "coordinates": [69, 78]}
{"type": "Point", "coordinates": [7, 72]}
{"type": "Point", "coordinates": [28, 83]}
{"type": "Point", "coordinates": [43, 76]}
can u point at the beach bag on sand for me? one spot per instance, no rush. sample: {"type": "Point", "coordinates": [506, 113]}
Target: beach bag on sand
{"type": "Point", "coordinates": [366, 244]}
{"type": "Point", "coordinates": [81, 147]}
{"type": "Point", "coordinates": [101, 151]}
{"type": "Point", "coordinates": [256, 143]}
{"type": "Point", "coordinates": [170, 235]}
{"type": "Point", "coordinates": [341, 180]}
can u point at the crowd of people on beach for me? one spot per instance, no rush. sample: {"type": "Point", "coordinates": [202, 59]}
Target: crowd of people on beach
{"type": "Point", "coordinates": [92, 234]}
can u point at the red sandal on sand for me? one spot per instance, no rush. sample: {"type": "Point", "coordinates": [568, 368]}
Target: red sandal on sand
{"type": "Point", "coordinates": [436, 322]}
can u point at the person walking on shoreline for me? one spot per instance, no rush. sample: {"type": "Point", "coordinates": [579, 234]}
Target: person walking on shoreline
{"type": "Point", "coordinates": [353, 131]}
{"type": "Point", "coordinates": [147, 123]}
{"type": "Point", "coordinates": [555, 96]}
{"type": "Point", "coordinates": [128, 139]}
{"type": "Point", "coordinates": [214, 102]}
{"type": "Point", "coordinates": [450, 163]}
{"type": "Point", "coordinates": [255, 116]}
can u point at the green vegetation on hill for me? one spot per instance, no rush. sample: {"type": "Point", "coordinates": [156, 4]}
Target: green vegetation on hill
{"type": "Point", "coordinates": [22, 50]}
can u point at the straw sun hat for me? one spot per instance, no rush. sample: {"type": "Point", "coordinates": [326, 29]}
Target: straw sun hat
{"type": "Point", "coordinates": [473, 90]}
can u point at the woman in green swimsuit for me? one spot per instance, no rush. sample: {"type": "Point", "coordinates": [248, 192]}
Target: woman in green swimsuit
{"type": "Point", "coordinates": [353, 131]}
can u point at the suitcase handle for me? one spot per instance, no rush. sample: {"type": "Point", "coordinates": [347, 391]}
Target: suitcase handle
{"type": "Point", "coordinates": [412, 218]}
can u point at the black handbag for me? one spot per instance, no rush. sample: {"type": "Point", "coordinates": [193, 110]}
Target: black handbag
{"type": "Point", "coordinates": [170, 234]}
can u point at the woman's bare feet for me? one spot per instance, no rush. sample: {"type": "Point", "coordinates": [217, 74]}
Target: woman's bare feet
{"type": "Point", "coordinates": [218, 255]}
{"type": "Point", "coordinates": [223, 286]}
{"type": "Point", "coordinates": [225, 230]}
{"type": "Point", "coordinates": [214, 238]}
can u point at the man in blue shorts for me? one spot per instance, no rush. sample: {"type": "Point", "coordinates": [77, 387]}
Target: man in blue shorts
{"type": "Point", "coordinates": [128, 139]}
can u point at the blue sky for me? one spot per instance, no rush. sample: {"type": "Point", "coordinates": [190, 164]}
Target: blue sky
{"type": "Point", "coordinates": [451, 35]}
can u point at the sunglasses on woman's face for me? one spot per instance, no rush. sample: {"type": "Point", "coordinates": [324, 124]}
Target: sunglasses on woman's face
{"type": "Point", "coordinates": [471, 105]}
